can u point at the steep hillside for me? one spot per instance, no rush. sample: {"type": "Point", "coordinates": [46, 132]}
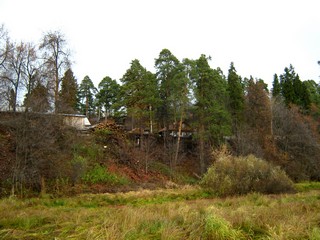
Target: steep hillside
{"type": "Point", "coordinates": [59, 160]}
{"type": "Point", "coordinates": [6, 153]}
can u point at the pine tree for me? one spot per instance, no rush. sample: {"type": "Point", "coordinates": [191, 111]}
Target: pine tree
{"type": "Point", "coordinates": [139, 94]}
{"type": "Point", "coordinates": [212, 119]}
{"type": "Point", "coordinates": [168, 67]}
{"type": "Point", "coordinates": [108, 96]}
{"type": "Point", "coordinates": [181, 99]}
{"type": "Point", "coordinates": [86, 94]}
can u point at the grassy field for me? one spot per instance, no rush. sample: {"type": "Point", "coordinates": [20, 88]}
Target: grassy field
{"type": "Point", "coordinates": [186, 213]}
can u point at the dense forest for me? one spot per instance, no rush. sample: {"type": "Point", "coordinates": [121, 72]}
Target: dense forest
{"type": "Point", "coordinates": [184, 110]}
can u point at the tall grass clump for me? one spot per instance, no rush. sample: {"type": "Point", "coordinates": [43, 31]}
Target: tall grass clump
{"type": "Point", "coordinates": [231, 175]}
{"type": "Point", "coordinates": [219, 228]}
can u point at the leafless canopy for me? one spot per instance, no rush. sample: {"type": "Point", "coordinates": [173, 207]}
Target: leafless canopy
{"type": "Point", "coordinates": [56, 59]}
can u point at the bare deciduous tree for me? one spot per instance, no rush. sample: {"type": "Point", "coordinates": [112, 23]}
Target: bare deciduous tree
{"type": "Point", "coordinates": [40, 144]}
{"type": "Point", "coordinates": [4, 45]}
{"type": "Point", "coordinates": [56, 59]}
{"type": "Point", "coordinates": [4, 49]}
{"type": "Point", "coordinates": [31, 69]}
{"type": "Point", "coordinates": [14, 71]}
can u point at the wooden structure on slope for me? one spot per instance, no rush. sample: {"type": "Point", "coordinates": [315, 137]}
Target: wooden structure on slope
{"type": "Point", "coordinates": [78, 121]}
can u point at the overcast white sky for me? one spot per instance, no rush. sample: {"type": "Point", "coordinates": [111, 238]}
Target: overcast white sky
{"type": "Point", "coordinates": [260, 37]}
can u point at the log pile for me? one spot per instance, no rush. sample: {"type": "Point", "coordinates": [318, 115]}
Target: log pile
{"type": "Point", "coordinates": [115, 142]}
{"type": "Point", "coordinates": [110, 131]}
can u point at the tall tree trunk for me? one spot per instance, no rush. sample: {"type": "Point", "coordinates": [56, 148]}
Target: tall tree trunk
{"type": "Point", "coordinates": [13, 99]}
{"type": "Point", "coordinates": [183, 107]}
{"type": "Point", "coordinates": [56, 88]}
{"type": "Point", "coordinates": [87, 106]}
{"type": "Point", "coordinates": [271, 121]}
{"type": "Point", "coordinates": [151, 123]}
{"type": "Point", "coordinates": [178, 141]}
{"type": "Point", "coordinates": [147, 150]}
{"type": "Point", "coordinates": [201, 148]}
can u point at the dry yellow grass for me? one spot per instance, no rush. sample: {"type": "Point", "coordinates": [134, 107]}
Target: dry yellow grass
{"type": "Point", "coordinates": [163, 214]}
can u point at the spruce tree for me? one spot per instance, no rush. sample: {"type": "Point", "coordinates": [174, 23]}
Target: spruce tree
{"type": "Point", "coordinates": [276, 87]}
{"type": "Point", "coordinates": [286, 81]}
{"type": "Point", "coordinates": [236, 97]}
{"type": "Point", "coordinates": [68, 94]}
{"type": "Point", "coordinates": [38, 99]}
{"type": "Point", "coordinates": [305, 98]}
{"type": "Point", "coordinates": [293, 90]}
{"type": "Point", "coordinates": [108, 96]}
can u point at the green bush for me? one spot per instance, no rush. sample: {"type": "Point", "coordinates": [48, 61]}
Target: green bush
{"type": "Point", "coordinates": [92, 152]}
{"type": "Point", "coordinates": [231, 175]}
{"type": "Point", "coordinates": [99, 174]}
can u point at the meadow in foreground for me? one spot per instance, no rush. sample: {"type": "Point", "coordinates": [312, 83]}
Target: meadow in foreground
{"type": "Point", "coordinates": [186, 213]}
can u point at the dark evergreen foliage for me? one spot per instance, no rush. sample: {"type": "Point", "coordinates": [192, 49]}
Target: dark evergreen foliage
{"type": "Point", "coordinates": [38, 100]}
{"type": "Point", "coordinates": [139, 94]}
{"type": "Point", "coordinates": [86, 93]}
{"type": "Point", "coordinates": [293, 90]}
{"type": "Point", "coordinates": [68, 94]}
{"type": "Point", "coordinates": [108, 96]}
{"type": "Point", "coordinates": [167, 67]}
{"type": "Point", "coordinates": [236, 97]}
{"type": "Point", "coordinates": [276, 87]}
